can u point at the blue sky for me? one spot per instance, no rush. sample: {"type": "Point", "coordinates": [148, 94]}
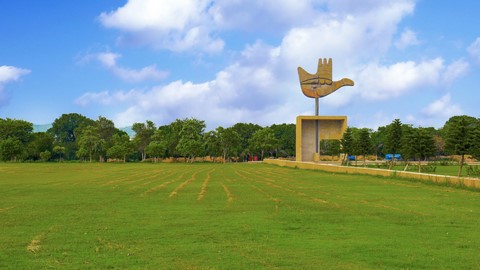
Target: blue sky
{"type": "Point", "coordinates": [236, 61]}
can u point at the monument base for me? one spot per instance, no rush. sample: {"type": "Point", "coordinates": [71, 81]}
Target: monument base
{"type": "Point", "coordinates": [310, 130]}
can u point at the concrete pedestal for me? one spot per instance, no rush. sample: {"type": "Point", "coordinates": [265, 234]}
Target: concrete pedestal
{"type": "Point", "coordinates": [307, 142]}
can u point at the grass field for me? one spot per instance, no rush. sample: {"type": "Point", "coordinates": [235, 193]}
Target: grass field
{"type": "Point", "coordinates": [233, 216]}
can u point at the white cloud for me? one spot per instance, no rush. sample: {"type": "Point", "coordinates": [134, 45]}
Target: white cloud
{"type": "Point", "coordinates": [267, 15]}
{"type": "Point", "coordinates": [408, 38]}
{"type": "Point", "coordinates": [103, 98]}
{"type": "Point", "coordinates": [442, 107]}
{"type": "Point", "coordinates": [455, 70]}
{"type": "Point", "coordinates": [248, 90]}
{"type": "Point", "coordinates": [261, 85]}
{"type": "Point", "coordinates": [109, 61]}
{"type": "Point", "coordinates": [107, 98]}
{"type": "Point", "coordinates": [9, 74]}
{"type": "Point", "coordinates": [379, 82]}
{"type": "Point", "coordinates": [474, 49]}
{"type": "Point", "coordinates": [354, 32]}
{"type": "Point", "coordinates": [176, 25]}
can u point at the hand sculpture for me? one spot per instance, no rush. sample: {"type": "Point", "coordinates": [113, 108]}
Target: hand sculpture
{"type": "Point", "coordinates": [320, 84]}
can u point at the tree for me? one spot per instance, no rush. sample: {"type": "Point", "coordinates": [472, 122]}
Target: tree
{"type": "Point", "coordinates": [83, 154]}
{"type": "Point", "coordinates": [105, 129]}
{"type": "Point", "coordinates": [90, 142]}
{"type": "Point", "coordinates": [64, 131]}
{"type": "Point", "coordinates": [439, 144]}
{"type": "Point", "coordinates": [59, 151]}
{"type": "Point", "coordinates": [121, 146]}
{"type": "Point", "coordinates": [460, 132]}
{"type": "Point", "coordinates": [246, 131]}
{"type": "Point", "coordinates": [476, 143]}
{"type": "Point", "coordinates": [45, 156]}
{"type": "Point", "coordinates": [330, 147]}
{"type": "Point", "coordinates": [191, 135]}
{"type": "Point", "coordinates": [15, 135]}
{"type": "Point", "coordinates": [211, 143]}
{"type": "Point", "coordinates": [420, 145]}
{"type": "Point", "coordinates": [155, 149]}
{"type": "Point", "coordinates": [10, 149]}
{"type": "Point", "coordinates": [18, 129]}
{"type": "Point", "coordinates": [263, 140]}
{"type": "Point", "coordinates": [170, 135]}
{"type": "Point", "coordinates": [406, 150]}
{"type": "Point", "coordinates": [143, 136]}
{"type": "Point", "coordinates": [286, 136]}
{"type": "Point", "coordinates": [364, 143]}
{"type": "Point", "coordinates": [41, 142]}
{"type": "Point", "coordinates": [347, 142]}
{"type": "Point", "coordinates": [378, 140]}
{"type": "Point", "coordinates": [393, 140]}
{"type": "Point", "coordinates": [229, 141]}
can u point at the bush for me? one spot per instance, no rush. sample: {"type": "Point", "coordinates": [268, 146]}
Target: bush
{"type": "Point", "coordinates": [45, 156]}
{"type": "Point", "coordinates": [473, 171]}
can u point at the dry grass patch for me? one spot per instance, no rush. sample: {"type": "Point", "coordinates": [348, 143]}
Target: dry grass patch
{"type": "Point", "coordinates": [229, 194]}
{"type": "Point", "coordinates": [2, 210]}
{"type": "Point", "coordinates": [153, 189]}
{"type": "Point", "coordinates": [201, 195]}
{"type": "Point", "coordinates": [34, 245]}
{"type": "Point", "coordinates": [184, 184]}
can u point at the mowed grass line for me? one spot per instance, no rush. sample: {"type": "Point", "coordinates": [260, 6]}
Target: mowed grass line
{"type": "Point", "coordinates": [229, 216]}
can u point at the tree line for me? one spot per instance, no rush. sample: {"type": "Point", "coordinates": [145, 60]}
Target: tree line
{"type": "Point", "coordinates": [76, 137]}
{"type": "Point", "coordinates": [460, 136]}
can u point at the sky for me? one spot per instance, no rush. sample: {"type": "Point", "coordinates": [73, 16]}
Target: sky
{"type": "Point", "coordinates": [230, 61]}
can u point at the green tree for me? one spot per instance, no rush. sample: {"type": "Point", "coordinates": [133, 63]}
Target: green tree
{"type": "Point", "coordinates": [420, 145]}
{"type": "Point", "coordinates": [121, 146]}
{"type": "Point", "coordinates": [10, 149]}
{"type": "Point", "coordinates": [211, 143]}
{"type": "Point", "coordinates": [364, 144]}
{"type": "Point", "coordinates": [406, 150]}
{"type": "Point", "coordinates": [90, 142]}
{"type": "Point", "coordinates": [286, 136]}
{"type": "Point", "coordinates": [393, 140]}
{"type": "Point", "coordinates": [18, 129]}
{"type": "Point", "coordinates": [229, 142]}
{"type": "Point", "coordinates": [191, 138]}
{"type": "Point", "coordinates": [246, 131]}
{"type": "Point", "coordinates": [64, 130]}
{"type": "Point", "coordinates": [82, 154]}
{"type": "Point", "coordinates": [143, 136]}
{"type": "Point", "coordinates": [41, 142]}
{"type": "Point", "coordinates": [15, 135]}
{"type": "Point", "coordinates": [263, 140]}
{"type": "Point", "coordinates": [45, 155]}
{"type": "Point", "coordinates": [330, 147]}
{"type": "Point", "coordinates": [155, 149]}
{"type": "Point", "coordinates": [378, 141]}
{"type": "Point", "coordinates": [476, 143]}
{"type": "Point", "coordinates": [348, 144]}
{"type": "Point", "coordinates": [105, 129]}
{"type": "Point", "coordinates": [170, 135]}
{"type": "Point", "coordinates": [59, 151]}
{"type": "Point", "coordinates": [460, 134]}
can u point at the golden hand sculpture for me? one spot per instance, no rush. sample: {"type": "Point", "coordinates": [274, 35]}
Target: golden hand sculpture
{"type": "Point", "coordinates": [320, 84]}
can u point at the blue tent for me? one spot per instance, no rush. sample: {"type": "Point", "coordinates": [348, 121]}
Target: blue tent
{"type": "Point", "coordinates": [389, 156]}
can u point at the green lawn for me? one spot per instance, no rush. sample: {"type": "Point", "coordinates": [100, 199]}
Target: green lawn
{"type": "Point", "coordinates": [233, 216]}
{"type": "Point", "coordinates": [451, 170]}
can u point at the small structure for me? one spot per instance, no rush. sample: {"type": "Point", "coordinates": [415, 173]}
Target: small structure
{"type": "Point", "coordinates": [389, 157]}
{"type": "Point", "coordinates": [311, 130]}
